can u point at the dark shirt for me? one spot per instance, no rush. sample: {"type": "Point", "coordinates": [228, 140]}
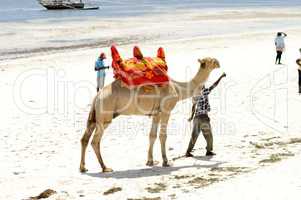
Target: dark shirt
{"type": "Point", "coordinates": [202, 102]}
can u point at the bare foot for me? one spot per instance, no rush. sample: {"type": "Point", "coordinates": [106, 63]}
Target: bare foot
{"type": "Point", "coordinates": [210, 153]}
{"type": "Point", "coordinates": [188, 154]}
{"type": "Point", "coordinates": [105, 170]}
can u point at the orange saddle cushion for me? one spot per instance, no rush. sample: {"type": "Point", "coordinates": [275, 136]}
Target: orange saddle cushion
{"type": "Point", "coordinates": [140, 70]}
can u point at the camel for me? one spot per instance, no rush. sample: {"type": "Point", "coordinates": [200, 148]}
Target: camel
{"type": "Point", "coordinates": [115, 99]}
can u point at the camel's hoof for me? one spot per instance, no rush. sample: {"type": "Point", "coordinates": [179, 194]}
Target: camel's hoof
{"type": "Point", "coordinates": [106, 170]}
{"type": "Point", "coordinates": [83, 170]}
{"type": "Point", "coordinates": [166, 164]}
{"type": "Point", "coordinates": [150, 163]}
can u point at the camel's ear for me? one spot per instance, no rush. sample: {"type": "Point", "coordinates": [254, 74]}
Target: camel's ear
{"type": "Point", "coordinates": [202, 63]}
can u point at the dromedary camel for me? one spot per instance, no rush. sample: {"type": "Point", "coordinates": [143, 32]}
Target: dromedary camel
{"type": "Point", "coordinates": [115, 99]}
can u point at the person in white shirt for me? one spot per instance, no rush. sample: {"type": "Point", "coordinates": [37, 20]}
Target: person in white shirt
{"type": "Point", "coordinates": [280, 46]}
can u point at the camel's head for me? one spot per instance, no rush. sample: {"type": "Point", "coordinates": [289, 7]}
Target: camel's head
{"type": "Point", "coordinates": [209, 63]}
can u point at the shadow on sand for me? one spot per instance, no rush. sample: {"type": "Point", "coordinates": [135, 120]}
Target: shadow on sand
{"type": "Point", "coordinates": [149, 172]}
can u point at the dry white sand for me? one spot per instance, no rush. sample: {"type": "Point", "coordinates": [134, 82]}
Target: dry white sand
{"type": "Point", "coordinates": [255, 115]}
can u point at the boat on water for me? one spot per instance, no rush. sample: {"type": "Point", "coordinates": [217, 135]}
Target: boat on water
{"type": "Point", "coordinates": [65, 4]}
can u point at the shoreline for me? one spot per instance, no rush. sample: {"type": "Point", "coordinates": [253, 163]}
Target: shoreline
{"type": "Point", "coordinates": [131, 40]}
{"type": "Point", "coordinates": [33, 38]}
{"type": "Point", "coordinates": [19, 54]}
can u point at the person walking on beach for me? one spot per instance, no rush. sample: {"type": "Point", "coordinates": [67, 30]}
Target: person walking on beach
{"type": "Point", "coordinates": [280, 46]}
{"type": "Point", "coordinates": [100, 68]}
{"type": "Point", "coordinates": [298, 61]}
{"type": "Point", "coordinates": [201, 120]}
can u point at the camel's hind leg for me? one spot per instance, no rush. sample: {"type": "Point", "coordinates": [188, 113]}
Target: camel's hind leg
{"type": "Point", "coordinates": [152, 139]}
{"type": "Point", "coordinates": [163, 137]}
{"type": "Point", "coordinates": [100, 127]}
{"type": "Point", "coordinates": [84, 142]}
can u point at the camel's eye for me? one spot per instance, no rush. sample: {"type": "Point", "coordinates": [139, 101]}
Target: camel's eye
{"type": "Point", "coordinates": [203, 63]}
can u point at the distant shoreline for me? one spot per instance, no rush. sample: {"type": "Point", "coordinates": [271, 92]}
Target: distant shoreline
{"type": "Point", "coordinates": [24, 53]}
{"type": "Point", "coordinates": [25, 39]}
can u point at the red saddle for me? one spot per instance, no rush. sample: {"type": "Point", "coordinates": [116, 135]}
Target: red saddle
{"type": "Point", "coordinates": [140, 70]}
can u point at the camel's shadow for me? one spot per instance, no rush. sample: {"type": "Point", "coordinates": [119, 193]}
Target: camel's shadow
{"type": "Point", "coordinates": [149, 172]}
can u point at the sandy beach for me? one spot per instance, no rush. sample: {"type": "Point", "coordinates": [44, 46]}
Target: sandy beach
{"type": "Point", "coordinates": [47, 82]}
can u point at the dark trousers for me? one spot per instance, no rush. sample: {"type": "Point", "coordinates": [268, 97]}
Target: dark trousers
{"type": "Point", "coordinates": [299, 72]}
{"type": "Point", "coordinates": [278, 57]}
{"type": "Point", "coordinates": [201, 123]}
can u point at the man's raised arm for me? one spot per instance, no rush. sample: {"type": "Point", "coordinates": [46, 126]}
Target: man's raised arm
{"type": "Point", "coordinates": [217, 82]}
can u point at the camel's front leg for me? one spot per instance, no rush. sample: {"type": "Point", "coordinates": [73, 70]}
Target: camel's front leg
{"type": "Point", "coordinates": [163, 137]}
{"type": "Point", "coordinates": [96, 145]}
{"type": "Point", "coordinates": [152, 139]}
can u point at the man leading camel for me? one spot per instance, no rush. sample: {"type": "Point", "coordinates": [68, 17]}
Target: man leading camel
{"type": "Point", "coordinates": [201, 120]}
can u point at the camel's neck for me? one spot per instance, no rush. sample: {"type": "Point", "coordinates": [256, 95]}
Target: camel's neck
{"type": "Point", "coordinates": [186, 89]}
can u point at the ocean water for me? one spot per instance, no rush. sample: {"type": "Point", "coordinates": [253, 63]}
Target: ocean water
{"type": "Point", "coordinates": [23, 10]}
{"type": "Point", "coordinates": [133, 21]}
